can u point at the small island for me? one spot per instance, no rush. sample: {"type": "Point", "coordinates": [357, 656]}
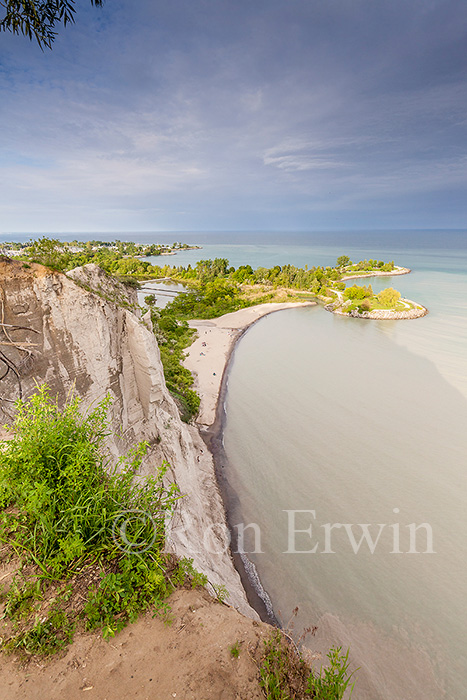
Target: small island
{"type": "Point", "coordinates": [361, 302]}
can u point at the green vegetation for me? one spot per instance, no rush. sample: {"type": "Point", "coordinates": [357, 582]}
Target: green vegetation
{"type": "Point", "coordinates": [50, 253]}
{"type": "Point", "coordinates": [284, 675]}
{"type": "Point", "coordinates": [115, 257]}
{"type": "Point", "coordinates": [215, 287]}
{"type": "Point", "coordinates": [314, 280]}
{"type": "Point", "coordinates": [37, 19]}
{"type": "Point", "coordinates": [235, 650]}
{"type": "Point", "coordinates": [355, 293]}
{"type": "Point", "coordinates": [208, 299]}
{"type": "Point", "coordinates": [363, 299]}
{"type": "Point", "coordinates": [364, 266]}
{"type": "Point", "coordinates": [343, 261]}
{"type": "Point", "coordinates": [79, 528]}
{"type": "Point", "coordinates": [278, 666]}
{"type": "Point", "coordinates": [173, 336]}
{"type": "Point", "coordinates": [388, 298]}
{"type": "Point", "coordinates": [333, 680]}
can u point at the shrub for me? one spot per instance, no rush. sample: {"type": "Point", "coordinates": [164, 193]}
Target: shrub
{"type": "Point", "coordinates": [284, 675]}
{"type": "Point", "coordinates": [66, 509]}
{"type": "Point", "coordinates": [356, 292]}
{"type": "Point", "coordinates": [334, 680]}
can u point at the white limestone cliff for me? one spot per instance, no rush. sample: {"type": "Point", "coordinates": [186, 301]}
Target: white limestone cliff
{"type": "Point", "coordinates": [96, 342]}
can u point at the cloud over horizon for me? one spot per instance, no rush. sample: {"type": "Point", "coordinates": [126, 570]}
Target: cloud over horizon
{"type": "Point", "coordinates": [238, 115]}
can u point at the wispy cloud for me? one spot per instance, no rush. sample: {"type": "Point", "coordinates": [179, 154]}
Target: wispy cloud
{"type": "Point", "coordinates": [181, 116]}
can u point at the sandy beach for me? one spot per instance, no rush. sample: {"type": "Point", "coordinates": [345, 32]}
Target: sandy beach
{"type": "Point", "coordinates": [207, 356]}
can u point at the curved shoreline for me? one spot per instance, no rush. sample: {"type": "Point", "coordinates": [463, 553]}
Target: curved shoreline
{"type": "Point", "coordinates": [416, 311]}
{"type": "Point", "coordinates": [208, 355]}
{"type": "Point", "coordinates": [216, 342]}
{"type": "Point", "coordinates": [382, 314]}
{"type": "Point", "coordinates": [238, 323]}
{"type": "Point", "coordinates": [213, 349]}
{"type": "Point", "coordinates": [378, 273]}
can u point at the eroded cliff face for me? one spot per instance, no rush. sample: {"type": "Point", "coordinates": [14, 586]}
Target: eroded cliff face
{"type": "Point", "coordinates": [55, 330]}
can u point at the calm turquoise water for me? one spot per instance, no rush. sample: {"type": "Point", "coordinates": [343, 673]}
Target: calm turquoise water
{"type": "Point", "coordinates": [363, 423]}
{"type": "Point", "coordinates": [439, 277]}
{"type": "Point", "coordinates": [354, 419]}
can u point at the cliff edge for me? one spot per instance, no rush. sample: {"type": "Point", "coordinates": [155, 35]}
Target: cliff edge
{"type": "Point", "coordinates": [84, 331]}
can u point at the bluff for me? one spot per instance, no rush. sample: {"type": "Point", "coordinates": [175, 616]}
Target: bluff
{"type": "Point", "coordinates": [83, 331]}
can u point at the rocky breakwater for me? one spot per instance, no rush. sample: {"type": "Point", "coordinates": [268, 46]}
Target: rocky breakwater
{"type": "Point", "coordinates": [84, 331]}
{"type": "Point", "coordinates": [415, 311]}
{"type": "Point", "coordinates": [377, 273]}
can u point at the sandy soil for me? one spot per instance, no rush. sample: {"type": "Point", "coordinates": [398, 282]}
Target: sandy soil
{"type": "Point", "coordinates": [188, 659]}
{"type": "Point", "coordinates": [208, 355]}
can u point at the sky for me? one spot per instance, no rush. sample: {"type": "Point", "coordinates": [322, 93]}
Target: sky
{"type": "Point", "coordinates": [273, 115]}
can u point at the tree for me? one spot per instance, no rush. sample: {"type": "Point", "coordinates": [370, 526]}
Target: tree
{"type": "Point", "coordinates": [366, 304]}
{"type": "Point", "coordinates": [150, 299]}
{"type": "Point", "coordinates": [389, 297]}
{"type": "Point", "coordinates": [49, 252]}
{"type": "Point", "coordinates": [355, 292]}
{"type": "Point", "coordinates": [343, 261]}
{"type": "Point", "coordinates": [38, 18]}
{"type": "Point", "coordinates": [210, 269]}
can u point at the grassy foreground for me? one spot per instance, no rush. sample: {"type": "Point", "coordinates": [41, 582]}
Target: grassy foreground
{"type": "Point", "coordinates": [88, 541]}
{"type": "Point", "coordinates": [87, 544]}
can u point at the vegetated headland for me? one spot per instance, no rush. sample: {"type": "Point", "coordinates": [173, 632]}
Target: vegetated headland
{"type": "Point", "coordinates": [70, 457]}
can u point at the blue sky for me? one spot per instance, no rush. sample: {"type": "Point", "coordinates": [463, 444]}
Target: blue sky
{"type": "Point", "coordinates": [238, 115]}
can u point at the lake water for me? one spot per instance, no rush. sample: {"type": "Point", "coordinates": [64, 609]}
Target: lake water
{"type": "Point", "coordinates": [363, 423]}
{"type": "Point", "coordinates": [164, 292]}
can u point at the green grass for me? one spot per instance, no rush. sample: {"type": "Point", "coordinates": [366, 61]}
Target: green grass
{"type": "Point", "coordinates": [77, 525]}
{"type": "Point", "coordinates": [333, 680]}
{"type": "Point", "coordinates": [235, 650]}
{"type": "Point", "coordinates": [376, 305]}
{"type": "Point", "coordinates": [47, 636]}
{"type": "Point", "coordinates": [275, 669]}
{"type": "Point", "coordinates": [285, 676]}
